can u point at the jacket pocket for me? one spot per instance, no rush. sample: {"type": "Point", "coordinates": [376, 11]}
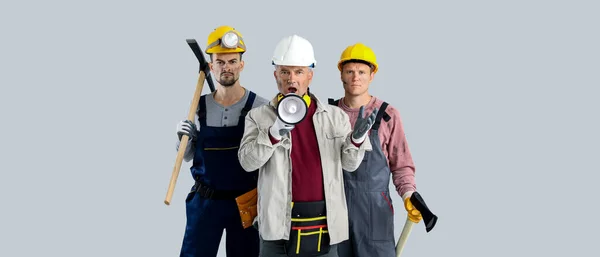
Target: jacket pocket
{"type": "Point", "coordinates": [382, 216]}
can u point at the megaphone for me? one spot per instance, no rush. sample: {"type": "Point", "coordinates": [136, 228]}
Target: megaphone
{"type": "Point", "coordinates": [292, 109]}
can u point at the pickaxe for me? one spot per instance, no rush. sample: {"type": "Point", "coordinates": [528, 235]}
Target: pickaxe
{"type": "Point", "coordinates": [204, 75]}
{"type": "Point", "coordinates": [428, 218]}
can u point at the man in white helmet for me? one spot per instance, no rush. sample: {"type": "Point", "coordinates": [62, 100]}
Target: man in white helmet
{"type": "Point", "coordinates": [301, 201]}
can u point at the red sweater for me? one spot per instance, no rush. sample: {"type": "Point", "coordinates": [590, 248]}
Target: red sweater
{"type": "Point", "coordinates": [307, 174]}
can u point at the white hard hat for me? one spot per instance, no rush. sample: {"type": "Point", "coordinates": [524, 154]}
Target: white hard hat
{"type": "Point", "coordinates": [294, 51]}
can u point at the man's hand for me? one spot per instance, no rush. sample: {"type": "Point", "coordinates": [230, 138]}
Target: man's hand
{"type": "Point", "coordinates": [413, 214]}
{"type": "Point", "coordinates": [255, 223]}
{"type": "Point", "coordinates": [362, 125]}
{"type": "Point", "coordinates": [187, 127]}
{"type": "Point", "coordinates": [279, 129]}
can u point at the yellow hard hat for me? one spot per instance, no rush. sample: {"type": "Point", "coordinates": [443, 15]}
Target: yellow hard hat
{"type": "Point", "coordinates": [225, 39]}
{"type": "Point", "coordinates": [361, 52]}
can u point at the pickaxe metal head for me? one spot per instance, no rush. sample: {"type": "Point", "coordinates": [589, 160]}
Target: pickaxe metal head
{"type": "Point", "coordinates": [202, 60]}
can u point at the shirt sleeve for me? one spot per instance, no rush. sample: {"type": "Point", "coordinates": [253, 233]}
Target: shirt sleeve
{"type": "Point", "coordinates": [400, 159]}
{"type": "Point", "coordinates": [256, 147]}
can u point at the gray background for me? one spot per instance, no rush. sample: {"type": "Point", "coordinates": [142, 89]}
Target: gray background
{"type": "Point", "coordinates": [499, 101]}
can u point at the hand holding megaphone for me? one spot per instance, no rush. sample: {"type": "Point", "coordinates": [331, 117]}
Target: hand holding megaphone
{"type": "Point", "coordinates": [291, 110]}
{"type": "Point", "coordinates": [280, 128]}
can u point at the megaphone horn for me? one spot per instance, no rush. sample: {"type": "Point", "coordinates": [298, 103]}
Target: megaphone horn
{"type": "Point", "coordinates": [292, 109]}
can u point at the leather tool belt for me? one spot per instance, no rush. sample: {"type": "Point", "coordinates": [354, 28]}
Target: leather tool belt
{"type": "Point", "coordinates": [247, 206]}
{"type": "Point", "coordinates": [309, 235]}
{"type": "Point", "coordinates": [246, 201]}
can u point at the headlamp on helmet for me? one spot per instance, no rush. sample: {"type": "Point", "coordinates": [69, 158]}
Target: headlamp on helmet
{"type": "Point", "coordinates": [229, 40]}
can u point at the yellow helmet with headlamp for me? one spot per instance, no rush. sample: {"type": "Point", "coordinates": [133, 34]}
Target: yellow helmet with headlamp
{"type": "Point", "coordinates": [225, 39]}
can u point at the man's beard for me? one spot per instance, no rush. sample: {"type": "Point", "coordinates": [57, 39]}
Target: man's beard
{"type": "Point", "coordinates": [228, 81]}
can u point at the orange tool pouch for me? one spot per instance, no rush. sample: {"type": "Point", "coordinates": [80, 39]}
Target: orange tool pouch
{"type": "Point", "coordinates": [309, 235]}
{"type": "Point", "coordinates": [247, 206]}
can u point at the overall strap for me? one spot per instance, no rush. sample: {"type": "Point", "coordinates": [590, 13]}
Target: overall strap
{"type": "Point", "coordinates": [202, 111]}
{"type": "Point", "coordinates": [248, 106]}
{"type": "Point", "coordinates": [245, 110]}
{"type": "Point", "coordinates": [380, 114]}
{"type": "Point", "coordinates": [333, 102]}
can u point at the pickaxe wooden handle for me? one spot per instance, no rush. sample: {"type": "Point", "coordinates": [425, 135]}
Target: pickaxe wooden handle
{"type": "Point", "coordinates": [428, 218]}
{"type": "Point", "coordinates": [204, 75]}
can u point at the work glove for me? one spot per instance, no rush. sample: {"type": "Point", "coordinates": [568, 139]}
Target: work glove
{"type": "Point", "coordinates": [413, 214]}
{"type": "Point", "coordinates": [362, 125]}
{"type": "Point", "coordinates": [187, 127]}
{"type": "Point", "coordinates": [279, 129]}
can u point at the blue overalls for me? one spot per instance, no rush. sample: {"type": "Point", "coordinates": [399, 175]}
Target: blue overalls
{"type": "Point", "coordinates": [211, 205]}
{"type": "Point", "coordinates": [370, 209]}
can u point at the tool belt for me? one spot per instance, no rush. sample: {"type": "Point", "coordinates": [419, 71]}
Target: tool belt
{"type": "Point", "coordinates": [247, 206]}
{"type": "Point", "coordinates": [208, 192]}
{"type": "Point", "coordinates": [309, 234]}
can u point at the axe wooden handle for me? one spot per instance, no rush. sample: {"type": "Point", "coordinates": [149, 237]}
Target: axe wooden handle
{"type": "Point", "coordinates": [404, 236]}
{"type": "Point", "coordinates": [184, 139]}
{"type": "Point", "coordinates": [429, 219]}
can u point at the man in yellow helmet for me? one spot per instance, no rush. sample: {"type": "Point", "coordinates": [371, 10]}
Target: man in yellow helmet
{"type": "Point", "coordinates": [215, 135]}
{"type": "Point", "coordinates": [370, 209]}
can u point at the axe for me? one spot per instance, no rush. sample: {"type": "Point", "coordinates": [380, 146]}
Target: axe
{"type": "Point", "coordinates": [204, 75]}
{"type": "Point", "coordinates": [428, 218]}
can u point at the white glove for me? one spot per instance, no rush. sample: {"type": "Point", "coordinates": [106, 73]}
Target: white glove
{"type": "Point", "coordinates": [279, 129]}
{"type": "Point", "coordinates": [186, 127]}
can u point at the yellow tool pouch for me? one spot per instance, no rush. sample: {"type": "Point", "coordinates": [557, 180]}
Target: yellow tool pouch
{"type": "Point", "coordinates": [309, 235]}
{"type": "Point", "coordinates": [247, 206]}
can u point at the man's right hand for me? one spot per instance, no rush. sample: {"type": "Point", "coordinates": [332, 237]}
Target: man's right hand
{"type": "Point", "coordinates": [279, 129]}
{"type": "Point", "coordinates": [187, 127]}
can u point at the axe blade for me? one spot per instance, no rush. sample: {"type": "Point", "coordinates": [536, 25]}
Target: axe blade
{"type": "Point", "coordinates": [202, 60]}
{"type": "Point", "coordinates": [429, 218]}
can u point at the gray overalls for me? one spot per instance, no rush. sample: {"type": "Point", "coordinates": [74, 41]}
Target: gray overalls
{"type": "Point", "coordinates": [370, 209]}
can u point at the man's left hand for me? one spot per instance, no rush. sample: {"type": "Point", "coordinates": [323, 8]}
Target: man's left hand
{"type": "Point", "coordinates": [413, 214]}
{"type": "Point", "coordinates": [362, 125]}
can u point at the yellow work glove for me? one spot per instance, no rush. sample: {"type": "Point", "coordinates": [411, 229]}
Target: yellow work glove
{"type": "Point", "coordinates": [413, 214]}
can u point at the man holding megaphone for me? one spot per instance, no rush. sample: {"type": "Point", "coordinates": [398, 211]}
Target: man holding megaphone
{"type": "Point", "coordinates": [300, 147]}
